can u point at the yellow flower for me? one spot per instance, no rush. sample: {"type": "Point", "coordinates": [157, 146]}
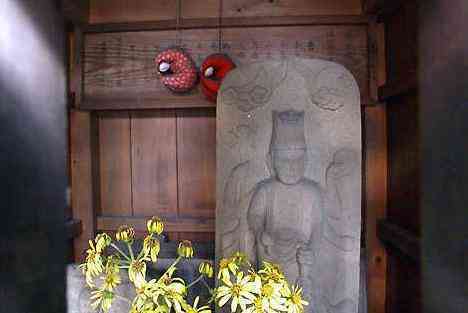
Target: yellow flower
{"type": "Point", "coordinates": [102, 241]}
{"type": "Point", "coordinates": [240, 259]}
{"type": "Point", "coordinates": [258, 306]}
{"type": "Point", "coordinates": [185, 249]}
{"type": "Point", "coordinates": [272, 272]}
{"type": "Point", "coordinates": [226, 266]}
{"type": "Point", "coordinates": [294, 301]}
{"type": "Point", "coordinates": [173, 295]}
{"type": "Point", "coordinates": [152, 247]}
{"type": "Point", "coordinates": [125, 234]}
{"type": "Point", "coordinates": [205, 268]}
{"type": "Point", "coordinates": [111, 280]}
{"type": "Point", "coordinates": [155, 225]}
{"type": "Point", "coordinates": [137, 271]}
{"type": "Point", "coordinates": [102, 298]}
{"type": "Point", "coordinates": [241, 293]}
{"type": "Point", "coordinates": [112, 264]}
{"type": "Point", "coordinates": [195, 309]}
{"type": "Point", "coordinates": [93, 265]}
{"type": "Point", "coordinates": [272, 297]}
{"type": "Point", "coordinates": [144, 294]}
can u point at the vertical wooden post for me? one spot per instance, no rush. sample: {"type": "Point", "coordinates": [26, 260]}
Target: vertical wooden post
{"type": "Point", "coordinates": [376, 203]}
{"type": "Point", "coordinates": [82, 178]}
{"type": "Point", "coordinates": [375, 158]}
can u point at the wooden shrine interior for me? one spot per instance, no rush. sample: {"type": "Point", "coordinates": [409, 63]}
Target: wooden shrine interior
{"type": "Point", "coordinates": [137, 150]}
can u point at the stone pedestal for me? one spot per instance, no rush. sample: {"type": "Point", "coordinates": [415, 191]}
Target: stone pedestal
{"type": "Point", "coordinates": [289, 175]}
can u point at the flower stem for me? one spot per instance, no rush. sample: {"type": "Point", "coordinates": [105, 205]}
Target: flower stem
{"type": "Point", "coordinates": [130, 251]}
{"type": "Point", "coordinates": [120, 251]}
{"type": "Point", "coordinates": [122, 298]}
{"type": "Point", "coordinates": [170, 268]}
{"type": "Point", "coordinates": [207, 286]}
{"type": "Point", "coordinates": [195, 281]}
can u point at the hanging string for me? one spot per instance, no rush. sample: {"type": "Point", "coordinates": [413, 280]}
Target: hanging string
{"type": "Point", "coordinates": [220, 13]}
{"type": "Point", "coordinates": [178, 40]}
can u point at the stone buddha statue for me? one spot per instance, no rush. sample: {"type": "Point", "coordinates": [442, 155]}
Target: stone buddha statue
{"type": "Point", "coordinates": [271, 202]}
{"type": "Point", "coordinates": [285, 211]}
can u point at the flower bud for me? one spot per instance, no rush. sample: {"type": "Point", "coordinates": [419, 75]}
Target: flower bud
{"type": "Point", "coordinates": [206, 269]}
{"type": "Point", "coordinates": [102, 241]}
{"type": "Point", "coordinates": [151, 246]}
{"type": "Point", "coordinates": [125, 233]}
{"type": "Point", "coordinates": [185, 249]}
{"type": "Point", "coordinates": [155, 225]}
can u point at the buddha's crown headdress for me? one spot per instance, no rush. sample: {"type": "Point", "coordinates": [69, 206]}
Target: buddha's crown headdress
{"type": "Point", "coordinates": [288, 130]}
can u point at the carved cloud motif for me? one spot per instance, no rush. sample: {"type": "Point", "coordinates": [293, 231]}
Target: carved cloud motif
{"type": "Point", "coordinates": [256, 92]}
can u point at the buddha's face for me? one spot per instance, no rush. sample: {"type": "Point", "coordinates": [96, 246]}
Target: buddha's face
{"type": "Point", "coordinates": [289, 165]}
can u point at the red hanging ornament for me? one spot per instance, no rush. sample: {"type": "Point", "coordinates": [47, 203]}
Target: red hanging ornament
{"type": "Point", "coordinates": [176, 69]}
{"type": "Point", "coordinates": [213, 70]}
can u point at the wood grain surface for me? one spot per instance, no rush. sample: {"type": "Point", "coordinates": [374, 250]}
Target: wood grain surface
{"type": "Point", "coordinates": [81, 179]}
{"type": "Point", "coordinates": [196, 162]}
{"type": "Point", "coordinates": [113, 11]}
{"type": "Point", "coordinates": [157, 162]}
{"type": "Point", "coordinates": [115, 167]}
{"type": "Point", "coordinates": [119, 72]}
{"type": "Point", "coordinates": [154, 172]}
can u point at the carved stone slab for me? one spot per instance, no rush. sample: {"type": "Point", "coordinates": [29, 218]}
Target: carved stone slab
{"type": "Point", "coordinates": [289, 175]}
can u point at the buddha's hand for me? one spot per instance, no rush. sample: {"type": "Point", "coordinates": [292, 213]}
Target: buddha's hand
{"type": "Point", "coordinates": [306, 256]}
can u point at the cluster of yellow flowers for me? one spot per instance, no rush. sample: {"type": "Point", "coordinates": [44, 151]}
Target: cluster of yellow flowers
{"type": "Point", "coordinates": [263, 291]}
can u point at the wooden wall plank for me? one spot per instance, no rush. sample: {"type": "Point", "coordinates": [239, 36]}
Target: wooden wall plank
{"type": "Point", "coordinates": [115, 166]}
{"type": "Point", "coordinates": [346, 45]}
{"type": "Point", "coordinates": [81, 179]}
{"type": "Point", "coordinates": [118, 11]}
{"type": "Point", "coordinates": [229, 22]}
{"type": "Point", "coordinates": [375, 201]}
{"type": "Point", "coordinates": [115, 11]}
{"type": "Point", "coordinates": [235, 8]}
{"type": "Point", "coordinates": [154, 171]}
{"type": "Point", "coordinates": [257, 8]}
{"type": "Point", "coordinates": [119, 70]}
{"type": "Point", "coordinates": [200, 8]}
{"type": "Point", "coordinates": [196, 161]}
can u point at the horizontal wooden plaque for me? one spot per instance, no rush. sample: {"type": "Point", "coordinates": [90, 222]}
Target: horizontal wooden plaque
{"type": "Point", "coordinates": [119, 71]}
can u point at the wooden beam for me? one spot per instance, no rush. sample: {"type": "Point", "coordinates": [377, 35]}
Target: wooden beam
{"type": "Point", "coordinates": [116, 104]}
{"type": "Point", "coordinates": [381, 7]}
{"type": "Point", "coordinates": [76, 42]}
{"type": "Point", "coordinates": [398, 87]}
{"type": "Point", "coordinates": [185, 225]}
{"type": "Point", "coordinates": [73, 228]}
{"type": "Point", "coordinates": [82, 179]}
{"type": "Point", "coordinates": [76, 11]}
{"type": "Point", "coordinates": [231, 22]}
{"type": "Point", "coordinates": [397, 238]}
{"type": "Point", "coordinates": [377, 62]}
{"type": "Point", "coordinates": [375, 202]}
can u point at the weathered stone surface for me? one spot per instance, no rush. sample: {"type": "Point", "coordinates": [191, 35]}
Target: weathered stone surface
{"type": "Point", "coordinates": [78, 294]}
{"type": "Point", "coordinates": [289, 175]}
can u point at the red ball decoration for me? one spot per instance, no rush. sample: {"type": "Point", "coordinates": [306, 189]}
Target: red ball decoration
{"type": "Point", "coordinates": [213, 70]}
{"type": "Point", "coordinates": [176, 69]}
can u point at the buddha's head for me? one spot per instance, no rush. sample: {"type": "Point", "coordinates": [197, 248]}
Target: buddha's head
{"type": "Point", "coordinates": [288, 149]}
